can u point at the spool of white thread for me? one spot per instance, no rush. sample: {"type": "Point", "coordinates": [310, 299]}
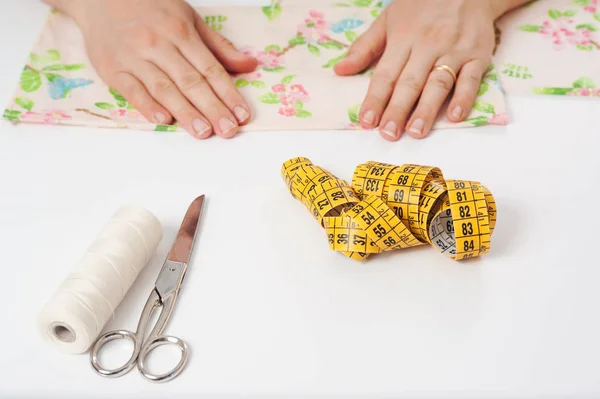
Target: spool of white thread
{"type": "Point", "coordinates": [88, 297]}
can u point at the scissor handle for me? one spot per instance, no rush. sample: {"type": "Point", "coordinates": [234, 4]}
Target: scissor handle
{"type": "Point", "coordinates": [155, 343]}
{"type": "Point", "coordinates": [111, 336]}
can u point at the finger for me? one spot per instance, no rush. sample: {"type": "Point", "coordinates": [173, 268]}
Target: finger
{"type": "Point", "coordinates": [162, 88]}
{"type": "Point", "coordinates": [381, 86]}
{"type": "Point", "coordinates": [232, 59]}
{"type": "Point", "coordinates": [406, 92]}
{"type": "Point", "coordinates": [367, 48]}
{"type": "Point", "coordinates": [136, 94]}
{"type": "Point", "coordinates": [204, 62]}
{"type": "Point", "coordinates": [193, 84]}
{"type": "Point", "coordinates": [466, 89]}
{"type": "Point", "coordinates": [438, 86]}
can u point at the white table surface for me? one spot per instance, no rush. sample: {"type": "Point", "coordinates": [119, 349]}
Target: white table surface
{"type": "Point", "coordinates": [267, 308]}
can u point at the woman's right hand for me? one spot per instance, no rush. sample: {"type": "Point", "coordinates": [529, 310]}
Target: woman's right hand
{"type": "Point", "coordinates": [166, 61]}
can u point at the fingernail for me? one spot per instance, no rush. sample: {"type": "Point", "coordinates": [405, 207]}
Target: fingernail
{"type": "Point", "coordinates": [226, 125]}
{"type": "Point", "coordinates": [417, 127]}
{"type": "Point", "coordinates": [200, 126]}
{"type": "Point", "coordinates": [457, 112]}
{"type": "Point", "coordinates": [160, 118]}
{"type": "Point", "coordinates": [369, 117]}
{"type": "Point", "coordinates": [390, 130]}
{"type": "Point", "coordinates": [240, 113]}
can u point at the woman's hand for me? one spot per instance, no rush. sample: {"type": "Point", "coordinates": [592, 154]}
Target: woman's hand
{"type": "Point", "coordinates": [410, 39]}
{"type": "Point", "coordinates": [165, 60]}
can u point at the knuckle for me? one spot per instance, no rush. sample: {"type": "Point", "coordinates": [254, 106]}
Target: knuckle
{"type": "Point", "coordinates": [441, 82]}
{"type": "Point", "coordinates": [214, 71]}
{"type": "Point", "coordinates": [181, 28]}
{"type": "Point", "coordinates": [144, 37]}
{"type": "Point", "coordinates": [410, 81]}
{"type": "Point", "coordinates": [161, 85]}
{"type": "Point", "coordinates": [191, 81]}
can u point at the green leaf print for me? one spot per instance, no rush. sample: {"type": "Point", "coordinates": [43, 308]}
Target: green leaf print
{"type": "Point", "coordinates": [278, 69]}
{"type": "Point", "coordinates": [314, 50]}
{"type": "Point", "coordinates": [483, 88]}
{"type": "Point", "coordinates": [30, 80]}
{"type": "Point", "coordinates": [597, 17]}
{"type": "Point", "coordinates": [272, 11]}
{"type": "Point", "coordinates": [303, 114]}
{"type": "Point", "coordinates": [121, 101]}
{"type": "Point", "coordinates": [341, 5]}
{"type": "Point", "coordinates": [25, 103]}
{"type": "Point", "coordinates": [351, 35]}
{"type": "Point", "coordinates": [375, 13]}
{"type": "Point", "coordinates": [331, 45]}
{"type": "Point", "coordinates": [362, 3]}
{"type": "Point", "coordinates": [269, 98]}
{"type": "Point", "coordinates": [52, 76]}
{"type": "Point", "coordinates": [258, 84]}
{"type": "Point", "coordinates": [569, 13]}
{"type": "Point", "coordinates": [288, 79]}
{"type": "Point", "coordinates": [482, 106]}
{"type": "Point", "coordinates": [558, 91]}
{"type": "Point", "coordinates": [589, 27]}
{"type": "Point", "coordinates": [584, 83]}
{"type": "Point", "coordinates": [531, 28]}
{"type": "Point", "coordinates": [479, 120]}
{"type": "Point", "coordinates": [298, 40]}
{"type": "Point", "coordinates": [589, 47]}
{"type": "Point", "coordinates": [214, 21]}
{"type": "Point", "coordinates": [353, 114]}
{"type": "Point", "coordinates": [334, 61]}
{"type": "Point", "coordinates": [273, 47]}
{"type": "Point", "coordinates": [64, 67]}
{"type": "Point", "coordinates": [105, 106]}
{"type": "Point", "coordinates": [52, 56]}
{"type": "Point", "coordinates": [11, 115]}
{"type": "Point", "coordinates": [554, 14]}
{"type": "Point", "coordinates": [241, 83]}
{"type": "Point", "coordinates": [298, 105]}
{"type": "Point", "coordinates": [581, 3]}
{"type": "Point", "coordinates": [165, 128]}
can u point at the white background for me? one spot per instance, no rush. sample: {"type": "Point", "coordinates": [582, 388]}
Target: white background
{"type": "Point", "coordinates": [267, 308]}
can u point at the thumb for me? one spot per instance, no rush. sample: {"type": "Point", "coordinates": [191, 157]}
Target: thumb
{"type": "Point", "coordinates": [232, 59]}
{"type": "Point", "coordinates": [367, 48]}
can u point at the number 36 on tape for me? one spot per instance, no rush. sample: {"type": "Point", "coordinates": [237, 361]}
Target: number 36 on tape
{"type": "Point", "coordinates": [390, 207]}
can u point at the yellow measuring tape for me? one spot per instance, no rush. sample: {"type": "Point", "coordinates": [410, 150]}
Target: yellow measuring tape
{"type": "Point", "coordinates": [391, 207]}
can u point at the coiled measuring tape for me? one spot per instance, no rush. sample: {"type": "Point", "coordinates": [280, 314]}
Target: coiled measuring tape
{"type": "Point", "coordinates": [390, 207]}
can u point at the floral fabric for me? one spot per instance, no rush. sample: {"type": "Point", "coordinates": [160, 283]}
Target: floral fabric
{"type": "Point", "coordinates": [547, 47]}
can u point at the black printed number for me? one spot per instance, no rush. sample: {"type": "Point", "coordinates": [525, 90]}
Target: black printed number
{"type": "Point", "coordinates": [461, 196]}
{"type": "Point", "coordinates": [372, 185]}
{"type": "Point", "coordinates": [379, 230]}
{"type": "Point", "coordinates": [469, 245]}
{"type": "Point", "coordinates": [368, 218]}
{"type": "Point", "coordinates": [449, 227]}
{"type": "Point", "coordinates": [403, 179]}
{"type": "Point", "coordinates": [358, 240]}
{"type": "Point", "coordinates": [465, 211]}
{"type": "Point", "coordinates": [399, 195]}
{"type": "Point", "coordinates": [342, 239]}
{"type": "Point", "coordinates": [389, 241]}
{"type": "Point", "coordinates": [467, 229]}
{"type": "Point", "coordinates": [398, 211]}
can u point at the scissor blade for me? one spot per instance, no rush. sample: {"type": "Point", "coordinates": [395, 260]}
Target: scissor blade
{"type": "Point", "coordinates": [182, 248]}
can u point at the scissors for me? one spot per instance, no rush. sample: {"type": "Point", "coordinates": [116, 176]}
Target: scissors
{"type": "Point", "coordinates": [164, 295]}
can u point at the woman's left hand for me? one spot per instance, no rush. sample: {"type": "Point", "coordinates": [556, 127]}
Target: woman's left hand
{"type": "Point", "coordinates": [410, 39]}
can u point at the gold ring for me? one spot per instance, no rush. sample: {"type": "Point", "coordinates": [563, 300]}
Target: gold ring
{"type": "Point", "coordinates": [447, 69]}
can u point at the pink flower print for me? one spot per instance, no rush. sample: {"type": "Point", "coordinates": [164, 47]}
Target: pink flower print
{"type": "Point", "coordinates": [269, 59]}
{"type": "Point", "coordinates": [298, 93]}
{"type": "Point", "coordinates": [124, 113]}
{"type": "Point", "coordinates": [562, 31]}
{"type": "Point", "coordinates": [287, 111]}
{"type": "Point", "coordinates": [314, 28]}
{"type": "Point", "coordinates": [266, 59]}
{"type": "Point", "coordinates": [499, 119]}
{"type": "Point", "coordinates": [592, 6]}
{"type": "Point", "coordinates": [278, 88]}
{"type": "Point", "coordinates": [48, 117]}
{"type": "Point", "coordinates": [583, 92]}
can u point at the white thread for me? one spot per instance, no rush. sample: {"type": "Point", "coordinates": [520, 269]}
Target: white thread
{"type": "Point", "coordinates": [87, 298]}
